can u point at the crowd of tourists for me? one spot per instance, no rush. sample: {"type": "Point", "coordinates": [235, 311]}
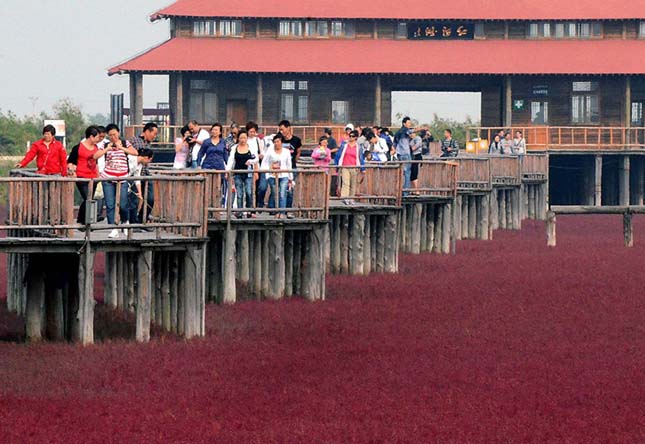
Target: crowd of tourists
{"type": "Point", "coordinates": [263, 167]}
{"type": "Point", "coordinates": [105, 156]}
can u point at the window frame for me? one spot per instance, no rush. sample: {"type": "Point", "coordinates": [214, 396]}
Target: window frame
{"type": "Point", "coordinates": [587, 97]}
{"type": "Point", "coordinates": [346, 118]}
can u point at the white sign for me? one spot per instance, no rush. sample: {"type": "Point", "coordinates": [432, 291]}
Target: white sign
{"type": "Point", "coordinates": [59, 125]}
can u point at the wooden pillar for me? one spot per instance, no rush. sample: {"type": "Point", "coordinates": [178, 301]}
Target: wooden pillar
{"type": "Point", "coordinates": [367, 246]}
{"type": "Point", "coordinates": [259, 100]}
{"type": "Point", "coordinates": [628, 108]}
{"type": "Point", "coordinates": [508, 102]}
{"type": "Point", "coordinates": [415, 232]}
{"type": "Point", "coordinates": [242, 254]}
{"type": "Point", "coordinates": [438, 226]}
{"type": "Point", "coordinates": [136, 99]}
{"type": "Point", "coordinates": [276, 263]}
{"type": "Point", "coordinates": [457, 219]}
{"type": "Point", "coordinates": [598, 181]}
{"type": "Point", "coordinates": [472, 217]}
{"type": "Point", "coordinates": [624, 180]}
{"type": "Point", "coordinates": [378, 100]}
{"type": "Point", "coordinates": [494, 210]}
{"type": "Point", "coordinates": [315, 266]}
{"type": "Point", "coordinates": [144, 294]}
{"type": "Point", "coordinates": [484, 218]}
{"type": "Point", "coordinates": [391, 244]}
{"type": "Point", "coordinates": [288, 264]}
{"type": "Point", "coordinates": [344, 244]}
{"type": "Point", "coordinates": [446, 228]}
{"type": "Point", "coordinates": [35, 312]}
{"type": "Point", "coordinates": [464, 216]}
{"type": "Point", "coordinates": [85, 315]}
{"type": "Point", "coordinates": [357, 240]}
{"type": "Point", "coordinates": [516, 199]}
{"type": "Point", "coordinates": [502, 210]}
{"type": "Point", "coordinates": [628, 230]}
{"type": "Point", "coordinates": [228, 269]}
{"type": "Point", "coordinates": [532, 192]}
{"type": "Point", "coordinates": [550, 229]}
{"type": "Point", "coordinates": [336, 227]}
{"type": "Point", "coordinates": [193, 293]}
{"type": "Point", "coordinates": [432, 209]}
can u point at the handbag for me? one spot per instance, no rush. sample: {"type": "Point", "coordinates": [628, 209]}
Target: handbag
{"type": "Point", "coordinates": [98, 191]}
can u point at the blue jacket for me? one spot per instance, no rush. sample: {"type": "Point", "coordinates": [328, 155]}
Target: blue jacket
{"type": "Point", "coordinates": [215, 156]}
{"type": "Point", "coordinates": [340, 154]}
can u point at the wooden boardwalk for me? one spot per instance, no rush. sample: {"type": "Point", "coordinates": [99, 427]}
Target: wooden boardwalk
{"type": "Point", "coordinates": [197, 248]}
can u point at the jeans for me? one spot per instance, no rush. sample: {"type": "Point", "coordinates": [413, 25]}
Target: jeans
{"type": "Point", "coordinates": [244, 188]}
{"type": "Point", "coordinates": [82, 188]}
{"type": "Point", "coordinates": [290, 192]}
{"type": "Point", "coordinates": [283, 183]}
{"type": "Point", "coordinates": [109, 191]}
{"type": "Point", "coordinates": [150, 201]}
{"type": "Point", "coordinates": [261, 190]}
{"type": "Point", "coordinates": [407, 171]}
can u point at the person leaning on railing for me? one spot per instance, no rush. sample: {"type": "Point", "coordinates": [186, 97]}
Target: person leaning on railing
{"type": "Point", "coordinates": [84, 159]}
{"type": "Point", "coordinates": [140, 143]}
{"type": "Point", "coordinates": [278, 159]}
{"type": "Point", "coordinates": [449, 146]}
{"type": "Point", "coordinates": [241, 158]}
{"type": "Point", "coordinates": [116, 172]}
{"type": "Point", "coordinates": [182, 150]}
{"type": "Point", "coordinates": [350, 156]}
{"type": "Point", "coordinates": [50, 154]}
{"type": "Point", "coordinates": [519, 144]}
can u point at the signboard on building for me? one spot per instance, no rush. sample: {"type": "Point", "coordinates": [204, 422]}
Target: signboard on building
{"type": "Point", "coordinates": [440, 31]}
{"type": "Point", "coordinates": [540, 90]}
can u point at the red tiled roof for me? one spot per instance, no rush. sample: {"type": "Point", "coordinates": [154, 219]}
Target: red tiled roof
{"type": "Point", "coordinates": [383, 56]}
{"type": "Point", "coordinates": [411, 9]}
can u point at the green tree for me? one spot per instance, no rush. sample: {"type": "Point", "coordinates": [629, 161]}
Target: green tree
{"type": "Point", "coordinates": [75, 122]}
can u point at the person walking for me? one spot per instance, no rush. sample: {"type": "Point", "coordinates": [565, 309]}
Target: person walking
{"type": "Point", "coordinates": [350, 157]}
{"type": "Point", "coordinates": [402, 140]}
{"type": "Point", "coordinates": [279, 159]}
{"type": "Point", "coordinates": [85, 166]}
{"type": "Point", "coordinates": [241, 158]}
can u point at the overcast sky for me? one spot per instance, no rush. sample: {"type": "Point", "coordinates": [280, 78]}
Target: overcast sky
{"type": "Point", "coordinates": [52, 49]}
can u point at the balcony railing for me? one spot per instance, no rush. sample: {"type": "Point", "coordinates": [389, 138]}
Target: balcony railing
{"type": "Point", "coordinates": [568, 138]}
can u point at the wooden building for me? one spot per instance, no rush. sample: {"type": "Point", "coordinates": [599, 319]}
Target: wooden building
{"type": "Point", "coordinates": [568, 73]}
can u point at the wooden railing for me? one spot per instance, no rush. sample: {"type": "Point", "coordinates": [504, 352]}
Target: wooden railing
{"type": "Point", "coordinates": [535, 166]}
{"type": "Point", "coordinates": [378, 184]}
{"type": "Point", "coordinates": [474, 174]}
{"type": "Point", "coordinates": [44, 206]}
{"type": "Point", "coordinates": [569, 138]}
{"type": "Point", "coordinates": [310, 193]}
{"type": "Point", "coordinates": [505, 170]}
{"type": "Point", "coordinates": [436, 178]}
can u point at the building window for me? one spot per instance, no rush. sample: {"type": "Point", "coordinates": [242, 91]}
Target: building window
{"type": "Point", "coordinates": [637, 114]}
{"type": "Point", "coordinates": [479, 31]}
{"type": "Point", "coordinates": [340, 111]}
{"type": "Point", "coordinates": [204, 28]}
{"type": "Point", "coordinates": [316, 28]}
{"type": "Point", "coordinates": [342, 29]}
{"type": "Point", "coordinates": [641, 30]}
{"type": "Point", "coordinates": [565, 30]}
{"type": "Point", "coordinates": [401, 30]}
{"type": "Point", "coordinates": [539, 113]}
{"type": "Point", "coordinates": [230, 28]}
{"type": "Point", "coordinates": [294, 103]}
{"type": "Point", "coordinates": [290, 28]}
{"type": "Point", "coordinates": [203, 106]}
{"type": "Point", "coordinates": [585, 103]}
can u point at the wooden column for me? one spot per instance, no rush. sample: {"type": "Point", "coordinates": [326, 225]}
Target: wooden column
{"type": "Point", "coordinates": [228, 269]}
{"type": "Point", "coordinates": [550, 229]}
{"type": "Point", "coordinates": [144, 294]}
{"type": "Point", "coordinates": [136, 99]}
{"type": "Point", "coordinates": [640, 181]}
{"type": "Point", "coordinates": [276, 263]}
{"type": "Point", "coordinates": [598, 181]}
{"type": "Point", "coordinates": [624, 180]}
{"type": "Point", "coordinates": [508, 102]}
{"type": "Point", "coordinates": [415, 232]}
{"type": "Point", "coordinates": [628, 229]}
{"type": "Point", "coordinates": [391, 244]}
{"type": "Point", "coordinates": [259, 100]}
{"type": "Point", "coordinates": [193, 293]}
{"type": "Point", "coordinates": [446, 228]}
{"type": "Point", "coordinates": [315, 266]}
{"type": "Point", "coordinates": [472, 217]}
{"type": "Point", "coordinates": [356, 256]}
{"type": "Point", "coordinates": [628, 108]}
{"type": "Point", "coordinates": [378, 101]}
{"type": "Point", "coordinates": [34, 313]}
{"type": "Point", "coordinates": [85, 315]}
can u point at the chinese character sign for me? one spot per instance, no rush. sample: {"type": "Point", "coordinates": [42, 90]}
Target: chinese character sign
{"type": "Point", "coordinates": [440, 31]}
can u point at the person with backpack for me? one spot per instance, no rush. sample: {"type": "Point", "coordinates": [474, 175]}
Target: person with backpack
{"type": "Point", "coordinates": [449, 146]}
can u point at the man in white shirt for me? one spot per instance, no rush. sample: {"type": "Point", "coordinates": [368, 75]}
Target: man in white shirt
{"type": "Point", "coordinates": [199, 136]}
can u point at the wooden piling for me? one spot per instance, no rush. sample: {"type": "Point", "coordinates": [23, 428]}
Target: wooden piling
{"type": "Point", "coordinates": [357, 239]}
{"type": "Point", "coordinates": [438, 227]}
{"type": "Point", "coordinates": [446, 228]}
{"type": "Point", "coordinates": [277, 264]}
{"type": "Point", "coordinates": [628, 229]}
{"type": "Point", "coordinates": [415, 228]}
{"type": "Point", "coordinates": [344, 244]}
{"type": "Point", "coordinates": [243, 254]}
{"type": "Point", "coordinates": [229, 271]}
{"type": "Point", "coordinates": [367, 246]}
{"type": "Point", "coordinates": [391, 244]}
{"type": "Point", "coordinates": [458, 217]}
{"type": "Point", "coordinates": [550, 229]}
{"type": "Point", "coordinates": [464, 216]}
{"type": "Point", "coordinates": [380, 244]}
{"type": "Point", "coordinates": [35, 314]}
{"type": "Point", "coordinates": [494, 210]}
{"type": "Point", "coordinates": [472, 217]}
{"type": "Point", "coordinates": [144, 293]}
{"type": "Point", "coordinates": [85, 314]}
{"type": "Point", "coordinates": [335, 244]}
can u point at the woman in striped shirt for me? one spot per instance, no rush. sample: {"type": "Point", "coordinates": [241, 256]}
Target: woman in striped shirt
{"type": "Point", "coordinates": [115, 174]}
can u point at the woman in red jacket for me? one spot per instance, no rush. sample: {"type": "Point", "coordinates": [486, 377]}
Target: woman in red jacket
{"type": "Point", "coordinates": [86, 167]}
{"type": "Point", "coordinates": [50, 154]}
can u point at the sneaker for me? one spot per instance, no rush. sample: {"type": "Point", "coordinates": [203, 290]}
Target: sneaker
{"type": "Point", "coordinates": [114, 234]}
